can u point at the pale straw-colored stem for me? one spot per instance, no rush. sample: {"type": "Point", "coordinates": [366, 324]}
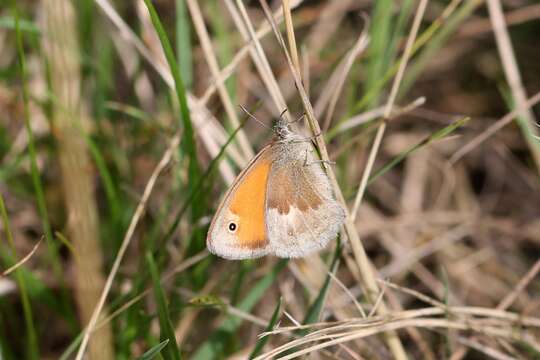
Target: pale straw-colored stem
{"type": "Point", "coordinates": [366, 268]}
{"type": "Point", "coordinates": [513, 77]}
{"type": "Point", "coordinates": [167, 156]}
{"type": "Point", "coordinates": [62, 54]}
{"type": "Point", "coordinates": [490, 131]}
{"type": "Point", "coordinates": [389, 104]}
{"type": "Point", "coordinates": [211, 59]}
{"type": "Point", "coordinates": [290, 34]}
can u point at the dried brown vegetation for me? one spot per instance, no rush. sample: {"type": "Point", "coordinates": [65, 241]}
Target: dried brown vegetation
{"type": "Point", "coordinates": [428, 109]}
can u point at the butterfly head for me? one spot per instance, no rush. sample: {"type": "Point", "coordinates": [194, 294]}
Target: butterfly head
{"type": "Point", "coordinates": [282, 129]}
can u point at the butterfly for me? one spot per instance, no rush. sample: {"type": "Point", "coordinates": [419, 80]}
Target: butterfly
{"type": "Point", "coordinates": [281, 204]}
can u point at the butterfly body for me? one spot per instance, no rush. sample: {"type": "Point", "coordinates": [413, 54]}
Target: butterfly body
{"type": "Point", "coordinates": [281, 204]}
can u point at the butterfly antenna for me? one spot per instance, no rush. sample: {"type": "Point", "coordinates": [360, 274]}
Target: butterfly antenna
{"type": "Point", "coordinates": [297, 120]}
{"type": "Point", "coordinates": [254, 118]}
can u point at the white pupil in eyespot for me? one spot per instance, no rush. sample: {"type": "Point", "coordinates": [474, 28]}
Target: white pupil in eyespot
{"type": "Point", "coordinates": [232, 227]}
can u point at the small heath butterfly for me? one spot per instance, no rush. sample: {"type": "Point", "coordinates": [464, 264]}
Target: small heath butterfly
{"type": "Point", "coordinates": [280, 204]}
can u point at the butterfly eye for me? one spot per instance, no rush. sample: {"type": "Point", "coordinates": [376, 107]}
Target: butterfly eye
{"type": "Point", "coordinates": [232, 227]}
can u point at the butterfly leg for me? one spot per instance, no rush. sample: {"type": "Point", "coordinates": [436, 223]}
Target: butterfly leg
{"type": "Point", "coordinates": [308, 139]}
{"type": "Point", "coordinates": [326, 162]}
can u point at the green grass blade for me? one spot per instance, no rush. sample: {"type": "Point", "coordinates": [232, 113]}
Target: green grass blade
{"type": "Point", "coordinates": [271, 324]}
{"type": "Point", "coordinates": [379, 45]}
{"type": "Point", "coordinates": [7, 22]}
{"type": "Point", "coordinates": [523, 123]}
{"type": "Point", "coordinates": [215, 346]}
{"type": "Point", "coordinates": [72, 348]}
{"type": "Point", "coordinates": [38, 291]}
{"type": "Point", "coordinates": [433, 137]}
{"type": "Point", "coordinates": [224, 42]}
{"type": "Point", "coordinates": [188, 141]}
{"type": "Point", "coordinates": [400, 27]}
{"type": "Point", "coordinates": [32, 346]}
{"type": "Point", "coordinates": [314, 312]}
{"type": "Point", "coordinates": [436, 32]}
{"type": "Point", "coordinates": [36, 180]}
{"type": "Point", "coordinates": [52, 246]}
{"type": "Point", "coordinates": [183, 43]}
{"type": "Point", "coordinates": [172, 352]}
{"type": "Point", "coordinates": [155, 350]}
{"type": "Point", "coordinates": [437, 41]}
{"type": "Point", "coordinates": [107, 180]}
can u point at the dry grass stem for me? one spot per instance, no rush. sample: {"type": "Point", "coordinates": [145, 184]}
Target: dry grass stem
{"type": "Point", "coordinates": [338, 334]}
{"type": "Point", "coordinates": [22, 261]}
{"type": "Point", "coordinates": [228, 70]}
{"type": "Point", "coordinates": [490, 131]}
{"type": "Point", "coordinates": [202, 118]}
{"type": "Point", "coordinates": [378, 112]}
{"type": "Point", "coordinates": [62, 51]}
{"type": "Point", "coordinates": [489, 351]}
{"type": "Point", "coordinates": [365, 267]}
{"type": "Point", "coordinates": [166, 158]}
{"type": "Point", "coordinates": [290, 34]}
{"type": "Point", "coordinates": [513, 76]}
{"type": "Point", "coordinates": [520, 286]}
{"type": "Point", "coordinates": [211, 59]}
{"type": "Point", "coordinates": [348, 293]}
{"type": "Point", "coordinates": [482, 320]}
{"type": "Point", "coordinates": [341, 74]}
{"type": "Point", "coordinates": [511, 18]}
{"type": "Point", "coordinates": [246, 29]}
{"type": "Point", "coordinates": [438, 254]}
{"type": "Point", "coordinates": [184, 265]}
{"type": "Point", "coordinates": [405, 261]}
{"type": "Point", "coordinates": [389, 104]}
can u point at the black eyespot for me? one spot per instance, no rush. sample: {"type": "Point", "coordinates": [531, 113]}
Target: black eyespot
{"type": "Point", "coordinates": [232, 227]}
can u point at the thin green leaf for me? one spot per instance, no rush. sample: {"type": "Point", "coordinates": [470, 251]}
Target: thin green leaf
{"type": "Point", "coordinates": [106, 177]}
{"type": "Point", "coordinates": [524, 124]}
{"type": "Point", "coordinates": [271, 324]}
{"type": "Point", "coordinates": [155, 350]}
{"type": "Point", "coordinates": [72, 348]}
{"type": "Point", "coordinates": [314, 312]}
{"type": "Point", "coordinates": [36, 180]}
{"type": "Point", "coordinates": [188, 140]}
{"type": "Point", "coordinates": [440, 35]}
{"type": "Point", "coordinates": [215, 346]}
{"type": "Point", "coordinates": [438, 31]}
{"type": "Point", "coordinates": [183, 43]}
{"type": "Point", "coordinates": [52, 246]}
{"type": "Point", "coordinates": [433, 137]}
{"type": "Point", "coordinates": [8, 22]}
{"type": "Point", "coordinates": [167, 331]}
{"type": "Point", "coordinates": [380, 41]}
{"type": "Point", "coordinates": [32, 345]}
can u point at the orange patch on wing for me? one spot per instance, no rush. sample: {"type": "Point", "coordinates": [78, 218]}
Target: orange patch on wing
{"type": "Point", "coordinates": [248, 203]}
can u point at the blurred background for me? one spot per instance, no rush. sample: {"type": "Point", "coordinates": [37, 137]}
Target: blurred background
{"type": "Point", "coordinates": [120, 130]}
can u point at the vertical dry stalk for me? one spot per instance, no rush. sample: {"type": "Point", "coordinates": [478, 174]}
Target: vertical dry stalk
{"type": "Point", "coordinates": [389, 104]}
{"type": "Point", "coordinates": [511, 70]}
{"type": "Point", "coordinates": [290, 34]}
{"type": "Point", "coordinates": [245, 27]}
{"type": "Point", "coordinates": [62, 51]}
{"type": "Point", "coordinates": [139, 212]}
{"type": "Point", "coordinates": [367, 271]}
{"type": "Point", "coordinates": [211, 59]}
